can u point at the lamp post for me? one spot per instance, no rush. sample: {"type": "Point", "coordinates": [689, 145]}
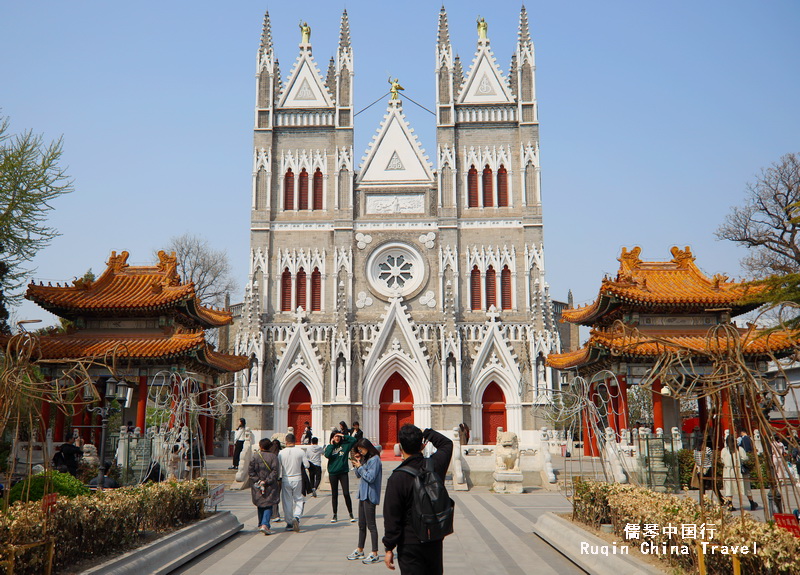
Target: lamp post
{"type": "Point", "coordinates": [114, 390]}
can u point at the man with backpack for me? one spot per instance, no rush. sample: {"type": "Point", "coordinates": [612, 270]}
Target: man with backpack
{"type": "Point", "coordinates": [417, 511]}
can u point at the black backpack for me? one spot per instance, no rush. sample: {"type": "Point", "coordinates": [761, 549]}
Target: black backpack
{"type": "Point", "coordinates": [432, 509]}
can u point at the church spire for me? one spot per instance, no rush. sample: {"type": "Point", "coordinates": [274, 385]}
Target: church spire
{"type": "Point", "coordinates": [343, 91]}
{"type": "Point", "coordinates": [344, 31]}
{"type": "Point", "coordinates": [524, 34]}
{"type": "Point", "coordinates": [525, 91]}
{"type": "Point", "coordinates": [443, 37]}
{"type": "Point", "coordinates": [265, 53]}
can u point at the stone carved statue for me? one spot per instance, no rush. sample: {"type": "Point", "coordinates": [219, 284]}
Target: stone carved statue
{"type": "Point", "coordinates": [340, 375]}
{"type": "Point", "coordinates": [242, 479]}
{"type": "Point", "coordinates": [506, 452]}
{"type": "Point", "coordinates": [305, 33]}
{"type": "Point", "coordinates": [677, 439]}
{"type": "Point", "coordinates": [90, 455]}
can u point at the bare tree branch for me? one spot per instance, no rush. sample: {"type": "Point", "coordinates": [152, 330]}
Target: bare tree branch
{"type": "Point", "coordinates": [208, 269]}
{"type": "Point", "coordinates": [766, 224]}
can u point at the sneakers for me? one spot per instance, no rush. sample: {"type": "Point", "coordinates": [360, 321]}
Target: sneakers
{"type": "Point", "coordinates": [265, 530]}
{"type": "Point", "coordinates": [333, 519]}
{"type": "Point", "coordinates": [352, 519]}
{"type": "Point", "coordinates": [233, 467]}
{"type": "Point", "coordinates": [296, 525]}
{"type": "Point", "coordinates": [355, 555]}
{"type": "Point", "coordinates": [313, 493]}
{"type": "Point", "coordinates": [372, 558]}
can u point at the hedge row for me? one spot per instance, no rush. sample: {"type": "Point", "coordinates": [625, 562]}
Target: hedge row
{"type": "Point", "coordinates": [96, 525]}
{"type": "Point", "coordinates": [620, 505]}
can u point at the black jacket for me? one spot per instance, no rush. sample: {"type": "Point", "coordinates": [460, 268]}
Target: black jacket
{"type": "Point", "coordinates": [399, 491]}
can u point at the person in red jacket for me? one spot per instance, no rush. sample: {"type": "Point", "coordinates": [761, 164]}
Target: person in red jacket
{"type": "Point", "coordinates": [414, 557]}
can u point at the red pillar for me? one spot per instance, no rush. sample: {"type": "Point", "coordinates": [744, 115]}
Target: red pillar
{"type": "Point", "coordinates": [141, 405]}
{"type": "Point", "coordinates": [702, 413]}
{"type": "Point", "coordinates": [658, 407]}
{"type": "Point", "coordinates": [726, 418]}
{"type": "Point", "coordinates": [613, 407]}
{"type": "Point", "coordinates": [590, 447]}
{"type": "Point", "coordinates": [58, 434]}
{"type": "Point", "coordinates": [623, 414]}
{"type": "Point", "coordinates": [208, 434]}
{"type": "Point", "coordinates": [45, 419]}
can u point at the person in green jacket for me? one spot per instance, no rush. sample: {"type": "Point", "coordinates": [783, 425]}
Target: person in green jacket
{"type": "Point", "coordinates": [337, 453]}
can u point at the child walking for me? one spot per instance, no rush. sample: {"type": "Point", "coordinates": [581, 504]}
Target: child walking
{"type": "Point", "coordinates": [367, 464]}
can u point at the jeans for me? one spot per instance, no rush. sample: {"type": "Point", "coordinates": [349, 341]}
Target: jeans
{"type": "Point", "coordinates": [314, 475]}
{"type": "Point", "coordinates": [366, 519]}
{"type": "Point", "coordinates": [292, 497]}
{"type": "Point", "coordinates": [264, 515]}
{"type": "Point", "coordinates": [344, 479]}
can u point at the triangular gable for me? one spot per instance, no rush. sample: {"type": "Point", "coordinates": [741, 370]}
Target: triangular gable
{"type": "Point", "coordinates": [299, 353]}
{"type": "Point", "coordinates": [485, 83]}
{"type": "Point", "coordinates": [305, 88]}
{"type": "Point", "coordinates": [495, 353]}
{"type": "Point", "coordinates": [395, 154]}
{"type": "Point", "coordinates": [396, 326]}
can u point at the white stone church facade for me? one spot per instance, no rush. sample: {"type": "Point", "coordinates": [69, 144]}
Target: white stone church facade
{"type": "Point", "coordinates": [399, 289]}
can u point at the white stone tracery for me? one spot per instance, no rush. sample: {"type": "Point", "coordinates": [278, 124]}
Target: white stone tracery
{"type": "Point", "coordinates": [311, 160]}
{"type": "Point", "coordinates": [494, 157]}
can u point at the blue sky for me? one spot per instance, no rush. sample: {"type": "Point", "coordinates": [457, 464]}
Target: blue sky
{"type": "Point", "coordinates": [653, 116]}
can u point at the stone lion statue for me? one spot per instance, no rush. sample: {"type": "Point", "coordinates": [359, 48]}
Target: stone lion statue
{"type": "Point", "coordinates": [90, 455]}
{"type": "Point", "coordinates": [506, 452]}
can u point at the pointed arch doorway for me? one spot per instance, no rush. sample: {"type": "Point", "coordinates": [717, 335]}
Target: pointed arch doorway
{"type": "Point", "coordinates": [493, 412]}
{"type": "Point", "coordinates": [396, 409]}
{"type": "Point", "coordinates": [299, 409]}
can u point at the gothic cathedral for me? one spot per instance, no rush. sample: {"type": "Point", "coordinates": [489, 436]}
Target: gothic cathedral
{"type": "Point", "coordinates": [398, 290]}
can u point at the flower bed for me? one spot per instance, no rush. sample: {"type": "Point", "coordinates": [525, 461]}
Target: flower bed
{"type": "Point", "coordinates": [91, 526]}
{"type": "Point", "coordinates": [623, 505]}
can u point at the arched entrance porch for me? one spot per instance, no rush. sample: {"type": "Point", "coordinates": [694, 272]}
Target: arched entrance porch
{"type": "Point", "coordinates": [396, 409]}
{"type": "Point", "coordinates": [299, 408]}
{"type": "Point", "coordinates": [493, 412]}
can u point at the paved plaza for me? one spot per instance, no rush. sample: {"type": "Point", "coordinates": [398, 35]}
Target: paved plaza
{"type": "Point", "coordinates": [493, 534]}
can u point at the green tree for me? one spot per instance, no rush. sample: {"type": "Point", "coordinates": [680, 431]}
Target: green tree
{"type": "Point", "coordinates": [31, 177]}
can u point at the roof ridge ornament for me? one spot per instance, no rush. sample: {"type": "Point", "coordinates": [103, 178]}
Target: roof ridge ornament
{"type": "Point", "coordinates": [682, 257]}
{"type": "Point", "coordinates": [630, 259]}
{"type": "Point", "coordinates": [305, 34]}
{"type": "Point", "coordinates": [118, 262]}
{"type": "Point", "coordinates": [483, 30]}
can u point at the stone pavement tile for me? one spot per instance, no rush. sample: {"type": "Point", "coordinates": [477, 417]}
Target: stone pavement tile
{"type": "Point", "coordinates": [491, 537]}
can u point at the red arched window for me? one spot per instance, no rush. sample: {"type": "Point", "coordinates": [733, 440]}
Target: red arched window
{"type": "Point", "coordinates": [317, 190]}
{"type": "Point", "coordinates": [488, 189]}
{"type": "Point", "coordinates": [475, 288]}
{"type": "Point", "coordinates": [505, 288]}
{"type": "Point", "coordinates": [288, 190]}
{"type": "Point", "coordinates": [301, 289]}
{"type": "Point", "coordinates": [286, 290]}
{"type": "Point", "coordinates": [302, 190]}
{"type": "Point", "coordinates": [472, 187]}
{"type": "Point", "coordinates": [491, 288]}
{"type": "Point", "coordinates": [316, 290]}
{"type": "Point", "coordinates": [502, 187]}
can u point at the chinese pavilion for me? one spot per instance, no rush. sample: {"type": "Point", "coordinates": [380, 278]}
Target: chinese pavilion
{"type": "Point", "coordinates": [649, 309]}
{"type": "Point", "coordinates": [141, 318]}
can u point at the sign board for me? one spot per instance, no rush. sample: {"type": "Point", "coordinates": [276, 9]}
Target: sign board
{"type": "Point", "coordinates": [788, 521]}
{"type": "Point", "coordinates": [49, 501]}
{"type": "Point", "coordinates": [216, 496]}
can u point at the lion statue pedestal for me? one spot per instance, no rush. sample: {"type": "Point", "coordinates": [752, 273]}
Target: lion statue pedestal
{"type": "Point", "coordinates": [507, 474]}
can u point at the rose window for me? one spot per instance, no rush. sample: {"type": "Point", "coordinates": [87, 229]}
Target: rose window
{"type": "Point", "coordinates": [395, 270]}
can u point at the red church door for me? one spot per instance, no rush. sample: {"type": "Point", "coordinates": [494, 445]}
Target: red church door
{"type": "Point", "coordinates": [494, 412]}
{"type": "Point", "coordinates": [299, 409]}
{"type": "Point", "coordinates": [397, 409]}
